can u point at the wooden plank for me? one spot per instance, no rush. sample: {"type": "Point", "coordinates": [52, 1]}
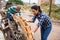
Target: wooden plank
{"type": "Point", "coordinates": [24, 26]}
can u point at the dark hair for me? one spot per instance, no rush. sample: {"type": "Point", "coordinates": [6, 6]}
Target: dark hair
{"type": "Point", "coordinates": [36, 8]}
{"type": "Point", "coordinates": [8, 4]}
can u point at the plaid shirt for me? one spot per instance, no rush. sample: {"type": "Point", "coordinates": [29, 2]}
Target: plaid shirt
{"type": "Point", "coordinates": [13, 10]}
{"type": "Point", "coordinates": [43, 19]}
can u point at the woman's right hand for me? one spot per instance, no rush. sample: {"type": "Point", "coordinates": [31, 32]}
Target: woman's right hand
{"type": "Point", "coordinates": [28, 20]}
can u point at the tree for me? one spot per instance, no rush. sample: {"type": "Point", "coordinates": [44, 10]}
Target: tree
{"type": "Point", "coordinates": [17, 2]}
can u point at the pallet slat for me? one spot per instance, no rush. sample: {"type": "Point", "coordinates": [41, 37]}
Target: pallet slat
{"type": "Point", "coordinates": [25, 27]}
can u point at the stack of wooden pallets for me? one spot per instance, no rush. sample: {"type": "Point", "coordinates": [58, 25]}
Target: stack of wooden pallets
{"type": "Point", "coordinates": [24, 26]}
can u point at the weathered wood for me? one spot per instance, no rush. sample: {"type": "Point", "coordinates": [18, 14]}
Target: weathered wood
{"type": "Point", "coordinates": [24, 26]}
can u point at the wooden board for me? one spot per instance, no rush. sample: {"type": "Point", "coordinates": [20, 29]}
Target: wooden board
{"type": "Point", "coordinates": [24, 26]}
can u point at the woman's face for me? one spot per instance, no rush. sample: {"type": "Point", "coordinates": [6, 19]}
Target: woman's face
{"type": "Point", "coordinates": [35, 12]}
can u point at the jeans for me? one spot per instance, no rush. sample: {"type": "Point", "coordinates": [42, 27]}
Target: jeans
{"type": "Point", "coordinates": [45, 32]}
{"type": "Point", "coordinates": [11, 19]}
{"type": "Point", "coordinates": [8, 15]}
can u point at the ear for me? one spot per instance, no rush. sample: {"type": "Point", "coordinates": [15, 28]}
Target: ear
{"type": "Point", "coordinates": [37, 10]}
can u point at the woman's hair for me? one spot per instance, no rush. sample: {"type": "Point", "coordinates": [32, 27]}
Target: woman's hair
{"type": "Point", "coordinates": [36, 8]}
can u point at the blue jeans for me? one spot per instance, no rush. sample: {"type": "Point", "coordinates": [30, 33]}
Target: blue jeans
{"type": "Point", "coordinates": [11, 19]}
{"type": "Point", "coordinates": [8, 15]}
{"type": "Point", "coordinates": [45, 32]}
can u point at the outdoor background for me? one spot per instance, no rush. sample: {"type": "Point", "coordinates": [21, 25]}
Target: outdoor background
{"type": "Point", "coordinates": [45, 6]}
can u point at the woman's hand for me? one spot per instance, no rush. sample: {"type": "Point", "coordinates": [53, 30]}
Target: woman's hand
{"type": "Point", "coordinates": [28, 20]}
{"type": "Point", "coordinates": [32, 32]}
{"type": "Point", "coordinates": [35, 29]}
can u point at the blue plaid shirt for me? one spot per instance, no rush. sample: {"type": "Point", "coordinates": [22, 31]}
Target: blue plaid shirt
{"type": "Point", "coordinates": [43, 19]}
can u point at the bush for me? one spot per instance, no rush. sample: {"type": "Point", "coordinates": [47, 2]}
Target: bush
{"type": "Point", "coordinates": [17, 2]}
{"type": "Point", "coordinates": [55, 11]}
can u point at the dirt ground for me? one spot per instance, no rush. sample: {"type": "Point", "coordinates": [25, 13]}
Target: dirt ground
{"type": "Point", "coordinates": [54, 35]}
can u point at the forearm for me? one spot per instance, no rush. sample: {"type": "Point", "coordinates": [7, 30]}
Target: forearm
{"type": "Point", "coordinates": [35, 29]}
{"type": "Point", "coordinates": [30, 21]}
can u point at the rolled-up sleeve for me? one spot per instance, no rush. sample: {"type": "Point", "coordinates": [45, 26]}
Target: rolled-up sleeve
{"type": "Point", "coordinates": [34, 18]}
{"type": "Point", "coordinates": [41, 21]}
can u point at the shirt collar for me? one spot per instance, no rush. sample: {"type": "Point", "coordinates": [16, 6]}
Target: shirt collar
{"type": "Point", "coordinates": [39, 13]}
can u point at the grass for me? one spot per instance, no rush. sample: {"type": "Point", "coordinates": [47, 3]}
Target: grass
{"type": "Point", "coordinates": [55, 11]}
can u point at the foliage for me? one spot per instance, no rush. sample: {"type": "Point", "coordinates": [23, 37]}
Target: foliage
{"type": "Point", "coordinates": [17, 2]}
{"type": "Point", "coordinates": [55, 11]}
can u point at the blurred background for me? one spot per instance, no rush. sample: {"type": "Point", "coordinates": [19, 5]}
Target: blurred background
{"type": "Point", "coordinates": [51, 7]}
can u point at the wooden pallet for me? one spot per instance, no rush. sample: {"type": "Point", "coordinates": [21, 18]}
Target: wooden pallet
{"type": "Point", "coordinates": [24, 26]}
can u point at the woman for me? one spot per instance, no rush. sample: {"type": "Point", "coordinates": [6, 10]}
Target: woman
{"type": "Point", "coordinates": [44, 22]}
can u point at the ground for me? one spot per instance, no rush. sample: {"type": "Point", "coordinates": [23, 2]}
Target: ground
{"type": "Point", "coordinates": [54, 35]}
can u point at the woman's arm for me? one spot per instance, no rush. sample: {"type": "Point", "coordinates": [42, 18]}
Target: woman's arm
{"type": "Point", "coordinates": [30, 21]}
{"type": "Point", "coordinates": [33, 19]}
{"type": "Point", "coordinates": [35, 29]}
